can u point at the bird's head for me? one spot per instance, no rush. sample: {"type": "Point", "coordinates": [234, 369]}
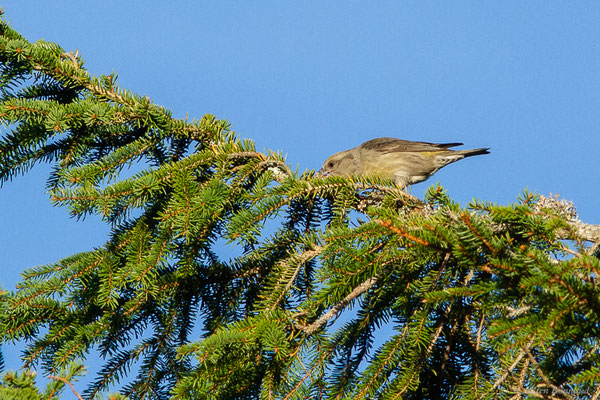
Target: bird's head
{"type": "Point", "coordinates": [343, 163]}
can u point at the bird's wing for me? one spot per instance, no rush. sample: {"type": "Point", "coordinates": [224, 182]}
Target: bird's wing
{"type": "Point", "coordinates": [392, 145]}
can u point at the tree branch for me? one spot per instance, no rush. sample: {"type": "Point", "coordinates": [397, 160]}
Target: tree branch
{"type": "Point", "coordinates": [59, 378]}
{"type": "Point", "coordinates": [566, 209]}
{"type": "Point", "coordinates": [510, 368]}
{"type": "Point", "coordinates": [547, 382]}
{"type": "Point", "coordinates": [323, 319]}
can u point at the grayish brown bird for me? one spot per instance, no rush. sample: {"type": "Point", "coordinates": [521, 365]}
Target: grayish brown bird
{"type": "Point", "coordinates": [404, 161]}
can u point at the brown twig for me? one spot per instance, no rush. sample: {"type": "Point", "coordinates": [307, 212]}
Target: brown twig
{"type": "Point", "coordinates": [60, 378]}
{"type": "Point", "coordinates": [300, 260]}
{"type": "Point", "coordinates": [323, 319]}
{"type": "Point", "coordinates": [509, 370]}
{"type": "Point", "coordinates": [596, 393]}
{"type": "Point", "coordinates": [547, 382]}
{"type": "Point", "coordinates": [566, 209]}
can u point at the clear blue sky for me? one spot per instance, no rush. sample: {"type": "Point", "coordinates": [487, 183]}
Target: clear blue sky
{"type": "Point", "coordinates": [312, 78]}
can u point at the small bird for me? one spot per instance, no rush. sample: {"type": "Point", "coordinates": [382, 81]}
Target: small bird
{"type": "Point", "coordinates": [404, 161]}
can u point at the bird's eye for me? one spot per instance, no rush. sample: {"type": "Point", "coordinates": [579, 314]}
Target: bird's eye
{"type": "Point", "coordinates": [331, 164]}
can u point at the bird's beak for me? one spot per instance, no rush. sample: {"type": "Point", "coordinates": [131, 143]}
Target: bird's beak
{"type": "Point", "coordinates": [322, 173]}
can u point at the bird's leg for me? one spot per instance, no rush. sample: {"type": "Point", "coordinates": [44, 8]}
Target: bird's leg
{"type": "Point", "coordinates": [402, 183]}
{"type": "Point", "coordinates": [407, 189]}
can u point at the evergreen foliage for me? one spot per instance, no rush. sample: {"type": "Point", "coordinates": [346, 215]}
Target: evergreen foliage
{"type": "Point", "coordinates": [22, 386]}
{"type": "Point", "coordinates": [228, 276]}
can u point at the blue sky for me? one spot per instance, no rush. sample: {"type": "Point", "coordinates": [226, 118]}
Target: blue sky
{"type": "Point", "coordinates": [312, 78]}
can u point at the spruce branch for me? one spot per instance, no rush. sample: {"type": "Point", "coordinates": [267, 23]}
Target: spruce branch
{"type": "Point", "coordinates": [246, 154]}
{"type": "Point", "coordinates": [522, 352]}
{"type": "Point", "coordinates": [74, 57]}
{"type": "Point", "coordinates": [468, 291]}
{"type": "Point", "coordinates": [596, 394]}
{"type": "Point", "coordinates": [333, 311]}
{"type": "Point", "coordinates": [295, 263]}
{"type": "Point", "coordinates": [564, 208]}
{"type": "Point", "coordinates": [63, 380]}
{"type": "Point", "coordinates": [547, 382]}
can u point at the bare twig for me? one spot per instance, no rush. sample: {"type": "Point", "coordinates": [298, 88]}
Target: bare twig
{"type": "Point", "coordinates": [247, 154]}
{"type": "Point", "coordinates": [596, 393]}
{"type": "Point", "coordinates": [299, 260]}
{"type": "Point", "coordinates": [323, 319]}
{"type": "Point", "coordinates": [73, 57]}
{"type": "Point", "coordinates": [547, 382]}
{"type": "Point", "coordinates": [279, 169]}
{"type": "Point", "coordinates": [60, 378]}
{"type": "Point", "coordinates": [509, 370]}
{"type": "Point", "coordinates": [566, 209]}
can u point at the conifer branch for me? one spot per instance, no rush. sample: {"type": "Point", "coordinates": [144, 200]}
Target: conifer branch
{"type": "Point", "coordinates": [596, 394]}
{"type": "Point", "coordinates": [477, 349]}
{"type": "Point", "coordinates": [547, 381]}
{"type": "Point", "coordinates": [60, 378]}
{"type": "Point", "coordinates": [323, 319]}
{"type": "Point", "coordinates": [587, 232]}
{"type": "Point", "coordinates": [246, 154]}
{"type": "Point", "coordinates": [472, 288]}
{"type": "Point", "coordinates": [511, 367]}
{"type": "Point", "coordinates": [299, 260]}
{"type": "Point", "coordinates": [566, 209]}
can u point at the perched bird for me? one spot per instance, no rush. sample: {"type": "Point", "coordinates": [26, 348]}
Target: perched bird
{"type": "Point", "coordinates": [404, 161]}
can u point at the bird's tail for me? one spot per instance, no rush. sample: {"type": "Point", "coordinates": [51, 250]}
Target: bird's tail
{"type": "Point", "coordinates": [473, 152]}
